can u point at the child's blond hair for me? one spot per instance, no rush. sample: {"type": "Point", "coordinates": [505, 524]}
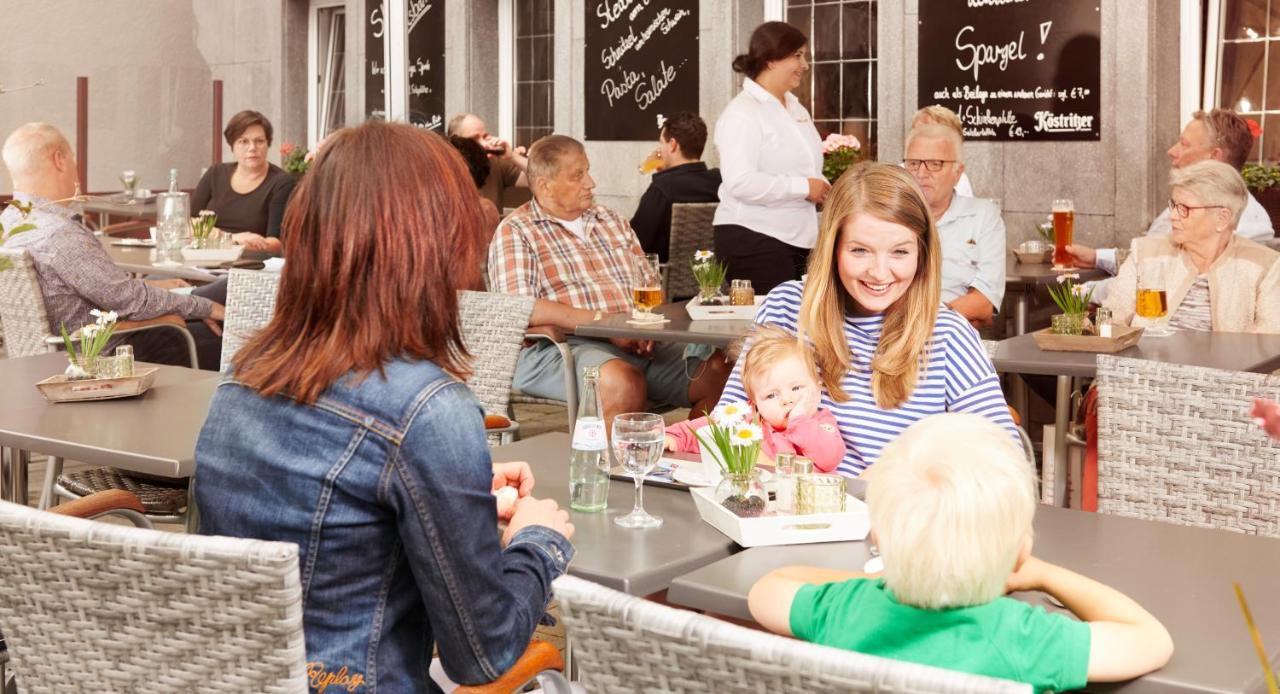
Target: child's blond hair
{"type": "Point", "coordinates": [951, 504]}
{"type": "Point", "coordinates": [766, 346]}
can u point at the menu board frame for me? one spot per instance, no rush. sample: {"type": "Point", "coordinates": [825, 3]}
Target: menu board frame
{"type": "Point", "coordinates": [425, 63]}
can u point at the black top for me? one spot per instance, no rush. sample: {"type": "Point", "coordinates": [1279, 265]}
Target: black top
{"type": "Point", "coordinates": [259, 210]}
{"type": "Point", "coordinates": [691, 182]}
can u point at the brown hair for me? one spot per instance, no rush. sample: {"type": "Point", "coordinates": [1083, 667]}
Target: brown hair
{"type": "Point", "coordinates": [241, 122]}
{"type": "Point", "coordinates": [380, 234]}
{"type": "Point", "coordinates": [689, 131]}
{"type": "Point", "coordinates": [769, 42]}
{"type": "Point", "coordinates": [1228, 132]}
{"type": "Point", "coordinates": [890, 193]}
{"type": "Point", "coordinates": [767, 346]}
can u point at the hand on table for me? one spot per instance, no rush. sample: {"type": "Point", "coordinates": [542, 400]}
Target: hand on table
{"type": "Point", "coordinates": [1029, 576]}
{"type": "Point", "coordinates": [1082, 256]}
{"type": "Point", "coordinates": [545, 512]}
{"type": "Point", "coordinates": [171, 283]}
{"type": "Point", "coordinates": [251, 240]}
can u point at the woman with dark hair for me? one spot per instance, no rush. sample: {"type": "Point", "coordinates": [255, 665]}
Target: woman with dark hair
{"type": "Point", "coordinates": [249, 194]}
{"type": "Point", "coordinates": [771, 163]}
{"type": "Point", "coordinates": [344, 427]}
{"type": "Point", "coordinates": [477, 160]}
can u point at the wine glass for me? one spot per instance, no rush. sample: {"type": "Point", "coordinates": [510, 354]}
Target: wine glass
{"type": "Point", "coordinates": [637, 444]}
{"type": "Point", "coordinates": [649, 296]}
{"type": "Point", "coordinates": [129, 180]}
{"type": "Point", "coordinates": [1152, 303]}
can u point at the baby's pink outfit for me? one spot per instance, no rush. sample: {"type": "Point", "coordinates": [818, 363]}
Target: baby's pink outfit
{"type": "Point", "coordinates": [816, 437]}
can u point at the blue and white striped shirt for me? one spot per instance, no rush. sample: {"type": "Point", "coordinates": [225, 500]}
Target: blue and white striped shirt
{"type": "Point", "coordinates": [959, 378]}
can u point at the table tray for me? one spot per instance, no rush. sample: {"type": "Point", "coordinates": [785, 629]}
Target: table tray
{"type": "Point", "coordinates": [699, 312]}
{"type": "Point", "coordinates": [59, 388]}
{"type": "Point", "coordinates": [1122, 337]}
{"type": "Point", "coordinates": [852, 524]}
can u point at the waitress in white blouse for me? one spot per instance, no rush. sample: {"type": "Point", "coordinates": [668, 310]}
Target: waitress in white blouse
{"type": "Point", "coordinates": [771, 164]}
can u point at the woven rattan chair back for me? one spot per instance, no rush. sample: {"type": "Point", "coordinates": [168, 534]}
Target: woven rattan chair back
{"type": "Point", "coordinates": [22, 313]}
{"type": "Point", "coordinates": [251, 301]}
{"type": "Point", "coordinates": [1176, 444]}
{"type": "Point", "coordinates": [493, 327]}
{"type": "Point", "coordinates": [93, 607]}
{"type": "Point", "coordinates": [627, 644]}
{"type": "Point", "coordinates": [690, 231]}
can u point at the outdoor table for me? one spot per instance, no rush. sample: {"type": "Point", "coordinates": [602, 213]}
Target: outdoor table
{"type": "Point", "coordinates": [679, 328]}
{"type": "Point", "coordinates": [1182, 575]}
{"type": "Point", "coordinates": [638, 562]}
{"type": "Point", "coordinates": [1022, 279]}
{"type": "Point", "coordinates": [139, 260]}
{"type": "Point", "coordinates": [154, 433]}
{"type": "Point", "coordinates": [1253, 352]}
{"type": "Point", "coordinates": [112, 205]}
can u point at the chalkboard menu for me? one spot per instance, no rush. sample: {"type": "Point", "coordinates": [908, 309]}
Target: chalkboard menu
{"type": "Point", "coordinates": [1014, 69]}
{"type": "Point", "coordinates": [375, 73]}
{"type": "Point", "coordinates": [425, 41]}
{"type": "Point", "coordinates": [641, 62]}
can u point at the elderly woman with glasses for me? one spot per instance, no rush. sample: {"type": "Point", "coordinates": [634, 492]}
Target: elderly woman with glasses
{"type": "Point", "coordinates": [248, 195]}
{"type": "Point", "coordinates": [1211, 278]}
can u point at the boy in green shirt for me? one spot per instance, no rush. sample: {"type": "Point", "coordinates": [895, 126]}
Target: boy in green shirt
{"type": "Point", "coordinates": [951, 505]}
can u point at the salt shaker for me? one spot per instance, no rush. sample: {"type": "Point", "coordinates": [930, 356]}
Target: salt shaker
{"type": "Point", "coordinates": [124, 361]}
{"type": "Point", "coordinates": [1102, 319]}
{"type": "Point", "coordinates": [741, 293]}
{"type": "Point", "coordinates": [784, 495]}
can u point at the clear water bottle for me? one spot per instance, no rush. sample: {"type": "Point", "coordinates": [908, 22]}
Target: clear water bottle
{"type": "Point", "coordinates": [589, 457]}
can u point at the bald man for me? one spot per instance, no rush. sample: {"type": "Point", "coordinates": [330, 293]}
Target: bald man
{"type": "Point", "coordinates": [74, 271]}
{"type": "Point", "coordinates": [507, 164]}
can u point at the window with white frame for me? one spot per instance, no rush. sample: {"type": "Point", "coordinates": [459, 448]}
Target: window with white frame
{"type": "Point", "coordinates": [328, 48]}
{"type": "Point", "coordinates": [840, 92]}
{"type": "Point", "coordinates": [534, 59]}
{"type": "Point", "coordinates": [1248, 47]}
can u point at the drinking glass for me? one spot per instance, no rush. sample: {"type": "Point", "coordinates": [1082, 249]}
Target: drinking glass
{"type": "Point", "coordinates": [1152, 303]}
{"type": "Point", "coordinates": [741, 293]}
{"type": "Point", "coordinates": [649, 296]}
{"type": "Point", "coordinates": [1064, 224]}
{"type": "Point", "coordinates": [129, 180]}
{"type": "Point", "coordinates": [637, 444]}
{"type": "Point", "coordinates": [652, 163]}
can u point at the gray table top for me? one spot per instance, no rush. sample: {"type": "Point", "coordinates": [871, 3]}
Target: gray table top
{"type": "Point", "coordinates": [639, 562]}
{"type": "Point", "coordinates": [1230, 351]}
{"type": "Point", "coordinates": [1023, 275]}
{"type": "Point", "coordinates": [680, 328]}
{"type": "Point", "coordinates": [1181, 575]}
{"type": "Point", "coordinates": [154, 433]}
{"type": "Point", "coordinates": [139, 260]}
{"type": "Point", "coordinates": [112, 206]}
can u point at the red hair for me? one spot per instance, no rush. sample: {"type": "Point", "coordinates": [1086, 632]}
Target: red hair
{"type": "Point", "coordinates": [379, 235]}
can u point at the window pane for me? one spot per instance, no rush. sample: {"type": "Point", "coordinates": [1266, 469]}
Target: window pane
{"type": "Point", "coordinates": [1242, 68]}
{"type": "Point", "coordinates": [541, 22]}
{"type": "Point", "coordinates": [1244, 19]}
{"type": "Point", "coordinates": [540, 96]}
{"type": "Point", "coordinates": [856, 101]}
{"type": "Point", "coordinates": [824, 42]}
{"type": "Point", "coordinates": [523, 63]}
{"type": "Point", "coordinates": [826, 91]}
{"type": "Point", "coordinates": [540, 58]}
{"type": "Point", "coordinates": [523, 104]}
{"type": "Point", "coordinates": [798, 17]}
{"type": "Point", "coordinates": [524, 14]}
{"type": "Point", "coordinates": [860, 129]}
{"type": "Point", "coordinates": [1273, 76]}
{"type": "Point", "coordinates": [871, 30]}
{"type": "Point", "coordinates": [854, 35]}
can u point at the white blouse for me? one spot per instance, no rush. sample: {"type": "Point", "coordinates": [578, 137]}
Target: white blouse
{"type": "Point", "coordinates": [768, 153]}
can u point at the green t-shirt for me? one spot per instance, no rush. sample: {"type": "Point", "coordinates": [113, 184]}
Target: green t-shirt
{"type": "Point", "coordinates": [1005, 638]}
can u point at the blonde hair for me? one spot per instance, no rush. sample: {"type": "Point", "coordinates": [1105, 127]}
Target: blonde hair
{"type": "Point", "coordinates": [1214, 183]}
{"type": "Point", "coordinates": [937, 131]}
{"type": "Point", "coordinates": [768, 345]}
{"type": "Point", "coordinates": [939, 114]}
{"type": "Point", "coordinates": [889, 193]}
{"type": "Point", "coordinates": [28, 150]}
{"type": "Point", "coordinates": [951, 503]}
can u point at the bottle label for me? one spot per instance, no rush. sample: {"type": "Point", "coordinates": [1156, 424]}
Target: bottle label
{"type": "Point", "coordinates": [588, 435]}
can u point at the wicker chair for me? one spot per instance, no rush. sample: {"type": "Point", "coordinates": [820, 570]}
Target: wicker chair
{"type": "Point", "coordinates": [493, 328]}
{"type": "Point", "coordinates": [251, 301]}
{"type": "Point", "coordinates": [625, 643]}
{"type": "Point", "coordinates": [690, 231]}
{"type": "Point", "coordinates": [93, 607]}
{"type": "Point", "coordinates": [1176, 444]}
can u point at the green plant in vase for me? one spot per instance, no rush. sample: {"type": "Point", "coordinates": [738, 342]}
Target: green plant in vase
{"type": "Point", "coordinates": [87, 344]}
{"type": "Point", "coordinates": [734, 434]}
{"type": "Point", "coordinates": [1073, 300]}
{"type": "Point", "coordinates": [709, 273]}
{"type": "Point", "coordinates": [201, 228]}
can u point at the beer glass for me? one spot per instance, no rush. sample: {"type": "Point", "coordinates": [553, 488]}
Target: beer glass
{"type": "Point", "coordinates": [652, 163]}
{"type": "Point", "coordinates": [1064, 223]}
{"type": "Point", "coordinates": [648, 296]}
{"type": "Point", "coordinates": [1153, 304]}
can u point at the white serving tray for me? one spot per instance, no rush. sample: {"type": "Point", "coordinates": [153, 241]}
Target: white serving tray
{"type": "Point", "coordinates": [212, 255]}
{"type": "Point", "coordinates": [851, 524]}
{"type": "Point", "coordinates": [699, 312]}
{"type": "Point", "coordinates": [59, 389]}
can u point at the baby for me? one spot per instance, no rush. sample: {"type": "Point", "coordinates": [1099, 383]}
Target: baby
{"type": "Point", "coordinates": [780, 378]}
{"type": "Point", "coordinates": [951, 506]}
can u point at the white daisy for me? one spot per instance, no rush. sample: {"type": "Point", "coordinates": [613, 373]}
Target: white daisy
{"type": "Point", "coordinates": [730, 413]}
{"type": "Point", "coordinates": [746, 434]}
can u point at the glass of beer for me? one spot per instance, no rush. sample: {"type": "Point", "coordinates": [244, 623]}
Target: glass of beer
{"type": "Point", "coordinates": [652, 163]}
{"type": "Point", "coordinates": [1152, 303]}
{"type": "Point", "coordinates": [648, 296]}
{"type": "Point", "coordinates": [1064, 224]}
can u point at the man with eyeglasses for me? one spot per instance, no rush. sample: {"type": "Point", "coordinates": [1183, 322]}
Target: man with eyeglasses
{"type": "Point", "coordinates": [1218, 134]}
{"type": "Point", "coordinates": [970, 230]}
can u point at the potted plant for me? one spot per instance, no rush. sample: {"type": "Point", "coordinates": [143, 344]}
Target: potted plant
{"type": "Point", "coordinates": [733, 434]}
{"type": "Point", "coordinates": [709, 274]}
{"type": "Point", "coordinates": [1073, 300]}
{"type": "Point", "coordinates": [92, 339]}
{"type": "Point", "coordinates": [839, 152]}
{"type": "Point", "coordinates": [201, 227]}
{"type": "Point", "coordinates": [293, 159]}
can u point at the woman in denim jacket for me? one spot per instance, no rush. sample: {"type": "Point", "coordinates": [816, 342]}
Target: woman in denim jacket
{"type": "Point", "coordinates": [344, 427]}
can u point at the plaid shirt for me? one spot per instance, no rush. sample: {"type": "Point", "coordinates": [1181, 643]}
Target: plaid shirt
{"type": "Point", "coordinates": [534, 255]}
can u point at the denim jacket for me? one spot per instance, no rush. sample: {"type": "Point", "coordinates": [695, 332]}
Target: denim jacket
{"type": "Point", "coordinates": [384, 485]}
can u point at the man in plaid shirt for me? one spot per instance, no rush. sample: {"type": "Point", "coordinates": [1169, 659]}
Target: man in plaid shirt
{"type": "Point", "coordinates": [581, 261]}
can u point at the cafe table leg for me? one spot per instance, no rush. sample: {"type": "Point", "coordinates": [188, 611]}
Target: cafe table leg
{"type": "Point", "coordinates": [5, 493]}
{"type": "Point", "coordinates": [193, 514]}
{"type": "Point", "coordinates": [13, 475]}
{"type": "Point", "coordinates": [1020, 308]}
{"type": "Point", "coordinates": [1061, 421]}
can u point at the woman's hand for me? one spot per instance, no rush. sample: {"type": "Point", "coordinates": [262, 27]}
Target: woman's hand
{"type": "Point", "coordinates": [818, 189]}
{"type": "Point", "coordinates": [252, 241]}
{"type": "Point", "coordinates": [515, 475]}
{"type": "Point", "coordinates": [545, 512]}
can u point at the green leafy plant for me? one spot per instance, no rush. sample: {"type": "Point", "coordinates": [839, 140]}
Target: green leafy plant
{"type": "Point", "coordinates": [839, 152]}
{"type": "Point", "coordinates": [24, 209]}
{"type": "Point", "coordinates": [736, 437]}
{"type": "Point", "coordinates": [1045, 230]}
{"type": "Point", "coordinates": [1070, 297]}
{"type": "Point", "coordinates": [1259, 177]}
{"type": "Point", "coordinates": [92, 339]}
{"type": "Point", "coordinates": [707, 271]}
{"type": "Point", "coordinates": [202, 225]}
{"type": "Point", "coordinates": [293, 158]}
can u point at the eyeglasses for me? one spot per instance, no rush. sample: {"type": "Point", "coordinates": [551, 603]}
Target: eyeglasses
{"type": "Point", "coordinates": [1184, 210]}
{"type": "Point", "coordinates": [933, 165]}
{"type": "Point", "coordinates": [246, 143]}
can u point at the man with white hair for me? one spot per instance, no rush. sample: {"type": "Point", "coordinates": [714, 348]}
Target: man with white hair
{"type": "Point", "coordinates": [76, 274]}
{"type": "Point", "coordinates": [970, 230]}
{"type": "Point", "coordinates": [507, 163]}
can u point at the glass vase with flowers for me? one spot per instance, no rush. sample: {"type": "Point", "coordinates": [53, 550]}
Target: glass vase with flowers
{"type": "Point", "coordinates": [84, 347]}
{"type": "Point", "coordinates": [734, 434]}
{"type": "Point", "coordinates": [709, 273]}
{"type": "Point", "coordinates": [1073, 300]}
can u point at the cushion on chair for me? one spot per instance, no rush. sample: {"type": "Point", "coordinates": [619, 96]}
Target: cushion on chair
{"type": "Point", "coordinates": [157, 497]}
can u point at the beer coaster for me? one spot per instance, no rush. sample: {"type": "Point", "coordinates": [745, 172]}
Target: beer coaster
{"type": "Point", "coordinates": [659, 321]}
